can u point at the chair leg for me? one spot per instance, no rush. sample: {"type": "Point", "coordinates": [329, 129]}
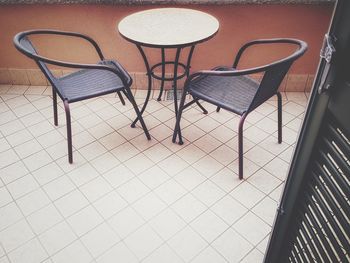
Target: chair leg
{"type": "Point", "coordinates": [69, 131]}
{"type": "Point", "coordinates": [240, 146]}
{"type": "Point", "coordinates": [121, 97]}
{"type": "Point", "coordinates": [55, 117]}
{"type": "Point", "coordinates": [177, 129]}
{"type": "Point", "coordinates": [201, 107]}
{"type": "Point", "coordinates": [139, 116]}
{"type": "Point", "coordinates": [279, 112]}
{"type": "Point", "coordinates": [217, 109]}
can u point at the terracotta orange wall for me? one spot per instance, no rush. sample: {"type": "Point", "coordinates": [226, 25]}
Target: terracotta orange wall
{"type": "Point", "coordinates": [238, 24]}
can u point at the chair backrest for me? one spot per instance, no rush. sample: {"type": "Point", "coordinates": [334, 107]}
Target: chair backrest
{"type": "Point", "coordinates": [25, 46]}
{"type": "Point", "coordinates": [276, 71]}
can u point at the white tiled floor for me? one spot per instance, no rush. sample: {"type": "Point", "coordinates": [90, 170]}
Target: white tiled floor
{"type": "Point", "coordinates": [126, 199]}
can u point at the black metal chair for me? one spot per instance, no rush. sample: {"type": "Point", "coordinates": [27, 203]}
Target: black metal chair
{"type": "Point", "coordinates": [233, 90]}
{"type": "Point", "coordinates": [91, 80]}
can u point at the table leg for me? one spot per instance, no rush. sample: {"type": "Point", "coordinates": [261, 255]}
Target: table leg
{"type": "Point", "coordinates": [149, 75]}
{"type": "Point", "coordinates": [163, 76]}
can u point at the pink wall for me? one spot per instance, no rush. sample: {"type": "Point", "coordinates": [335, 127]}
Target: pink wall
{"type": "Point", "coordinates": [238, 24]}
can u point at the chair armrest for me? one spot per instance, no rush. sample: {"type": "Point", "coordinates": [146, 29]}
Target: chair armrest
{"type": "Point", "coordinates": [225, 73]}
{"type": "Point", "coordinates": [119, 67]}
{"type": "Point", "coordinates": [19, 36]}
{"type": "Point", "coordinates": [60, 63]}
{"type": "Point", "coordinates": [301, 44]}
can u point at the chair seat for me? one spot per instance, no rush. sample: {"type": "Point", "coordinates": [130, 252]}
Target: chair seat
{"type": "Point", "coordinates": [88, 83]}
{"type": "Point", "coordinates": [231, 93]}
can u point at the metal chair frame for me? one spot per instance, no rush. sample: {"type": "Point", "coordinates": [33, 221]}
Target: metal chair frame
{"type": "Point", "coordinates": [102, 65]}
{"type": "Point", "coordinates": [263, 92]}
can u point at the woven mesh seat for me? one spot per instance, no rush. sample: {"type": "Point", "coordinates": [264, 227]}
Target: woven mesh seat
{"type": "Point", "coordinates": [88, 83]}
{"type": "Point", "coordinates": [232, 89]}
{"type": "Point", "coordinates": [232, 93]}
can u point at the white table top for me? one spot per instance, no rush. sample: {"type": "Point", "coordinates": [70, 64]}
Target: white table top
{"type": "Point", "coordinates": [168, 27]}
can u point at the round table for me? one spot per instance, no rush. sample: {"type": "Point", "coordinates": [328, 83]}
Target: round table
{"type": "Point", "coordinates": [168, 28]}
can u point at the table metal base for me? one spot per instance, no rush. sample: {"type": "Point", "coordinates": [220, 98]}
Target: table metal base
{"type": "Point", "coordinates": [151, 74]}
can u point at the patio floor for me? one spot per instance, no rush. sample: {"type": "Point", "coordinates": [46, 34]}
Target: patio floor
{"type": "Point", "coordinates": [126, 199]}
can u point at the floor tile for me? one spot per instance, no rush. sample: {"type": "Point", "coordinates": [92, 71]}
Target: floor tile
{"type": "Point", "coordinates": [192, 133]}
{"type": "Point", "coordinates": [133, 190]}
{"type": "Point", "coordinates": [100, 239]}
{"type": "Point", "coordinates": [30, 252]}
{"type": "Point", "coordinates": [253, 256]}
{"type": "Point", "coordinates": [37, 160]}
{"type": "Point", "coordinates": [170, 191]}
{"type": "Point", "coordinates": [71, 203]}
{"type": "Point", "coordinates": [92, 150]}
{"type": "Point", "coordinates": [208, 166]}
{"type": "Point", "coordinates": [264, 181]}
{"type": "Point", "coordinates": [44, 219]}
{"type": "Point", "coordinates": [232, 246]}
{"type": "Point", "coordinates": [83, 174]}
{"type": "Point", "coordinates": [259, 156]}
{"type": "Point", "coordinates": [224, 154]}
{"type": "Point", "coordinates": [5, 197]}
{"type": "Point", "coordinates": [142, 143]}
{"type": "Point", "coordinates": [11, 127]}
{"type": "Point", "coordinates": [84, 220]}
{"type": "Point", "coordinates": [208, 193]}
{"type": "Point", "coordinates": [167, 224]}
{"type": "Point", "coordinates": [153, 177]}
{"type": "Point", "coordinates": [126, 222]}
{"type": "Point", "coordinates": [7, 158]}
{"type": "Point", "coordinates": [252, 228]}
{"type": "Point", "coordinates": [96, 188]}
{"type": "Point", "coordinates": [15, 235]}
{"type": "Point", "coordinates": [47, 173]}
{"type": "Point", "coordinates": [209, 255]}
{"type": "Point", "coordinates": [187, 244]}
{"type": "Point", "coordinates": [190, 153]}
{"type": "Point", "coordinates": [229, 209]}
{"type": "Point", "coordinates": [226, 179]}
{"type": "Point", "coordinates": [125, 151]}
{"type": "Point", "coordinates": [112, 140]}
{"type": "Point", "coordinates": [173, 164]}
{"type": "Point", "coordinates": [207, 143]}
{"type": "Point", "coordinates": [255, 134]}
{"type": "Point", "coordinates": [58, 187]}
{"type": "Point", "coordinates": [110, 204]}
{"type": "Point", "coordinates": [271, 145]}
{"type": "Point", "coordinates": [143, 163]}
{"type": "Point", "coordinates": [188, 207]}
{"type": "Point", "coordinates": [149, 206]}
{"type": "Point", "coordinates": [157, 153]}
{"type": "Point", "coordinates": [19, 137]}
{"type": "Point", "coordinates": [163, 254]}
{"type": "Point", "coordinates": [266, 209]}
{"type": "Point", "coordinates": [247, 195]}
{"type": "Point", "coordinates": [75, 252]}
{"type": "Point", "coordinates": [9, 214]}
{"type": "Point", "coordinates": [189, 178]}
{"type": "Point", "coordinates": [209, 226]}
{"type": "Point", "coordinates": [22, 186]}
{"type": "Point", "coordinates": [249, 167]}
{"type": "Point", "coordinates": [223, 134]}
{"type": "Point", "coordinates": [161, 132]}
{"type": "Point", "coordinates": [33, 201]}
{"type": "Point", "coordinates": [119, 251]}
{"type": "Point", "coordinates": [118, 176]}
{"type": "Point", "coordinates": [143, 241]}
